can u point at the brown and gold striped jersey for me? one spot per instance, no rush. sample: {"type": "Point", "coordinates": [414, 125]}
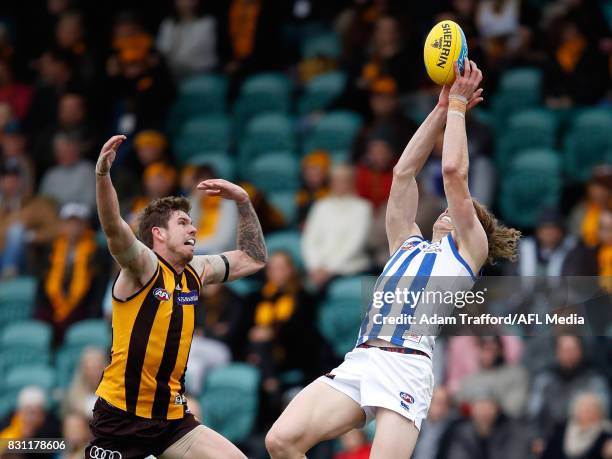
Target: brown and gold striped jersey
{"type": "Point", "coordinates": [152, 334]}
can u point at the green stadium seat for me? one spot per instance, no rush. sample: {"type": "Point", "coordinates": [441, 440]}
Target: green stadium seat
{"type": "Point", "coordinates": [587, 143]}
{"type": "Point", "coordinates": [262, 93]}
{"type": "Point", "coordinates": [339, 322]}
{"type": "Point", "coordinates": [286, 241]}
{"type": "Point", "coordinates": [203, 135]}
{"type": "Point", "coordinates": [274, 172]}
{"type": "Point", "coordinates": [284, 201]}
{"type": "Point", "coordinates": [335, 131]}
{"type": "Point", "coordinates": [90, 332]}
{"type": "Point", "coordinates": [223, 164]}
{"type": "Point", "coordinates": [66, 362]}
{"type": "Point", "coordinates": [321, 91]}
{"type": "Point", "coordinates": [532, 184]}
{"type": "Point", "coordinates": [346, 288]}
{"type": "Point", "coordinates": [229, 391]}
{"type": "Point", "coordinates": [244, 287]}
{"type": "Point", "coordinates": [518, 89]}
{"type": "Point", "coordinates": [531, 128]}
{"type": "Point", "coordinates": [7, 405]}
{"type": "Point", "coordinates": [322, 45]}
{"type": "Point", "coordinates": [25, 343]}
{"type": "Point", "coordinates": [17, 299]}
{"type": "Point", "coordinates": [16, 379]}
{"type": "Point", "coordinates": [200, 95]}
{"type": "Point", "coordinates": [264, 134]}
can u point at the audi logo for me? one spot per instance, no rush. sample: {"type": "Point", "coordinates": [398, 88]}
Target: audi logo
{"type": "Point", "coordinates": [100, 453]}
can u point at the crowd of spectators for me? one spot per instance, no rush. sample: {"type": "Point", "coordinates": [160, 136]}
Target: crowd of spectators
{"type": "Point", "coordinates": [72, 73]}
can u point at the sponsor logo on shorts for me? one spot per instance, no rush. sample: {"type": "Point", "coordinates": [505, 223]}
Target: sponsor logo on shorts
{"type": "Point", "coordinates": [406, 397]}
{"type": "Point", "coordinates": [100, 453]}
{"type": "Point", "coordinates": [406, 407]}
{"type": "Point", "coordinates": [187, 298]}
{"type": "Point", "coordinates": [330, 375]}
{"type": "Point", "coordinates": [161, 294]}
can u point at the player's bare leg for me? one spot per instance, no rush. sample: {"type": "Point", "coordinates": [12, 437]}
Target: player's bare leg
{"type": "Point", "coordinates": [202, 443]}
{"type": "Point", "coordinates": [318, 413]}
{"type": "Point", "coordinates": [395, 436]}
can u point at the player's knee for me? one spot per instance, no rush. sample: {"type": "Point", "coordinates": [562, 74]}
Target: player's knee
{"type": "Point", "coordinates": [281, 441]}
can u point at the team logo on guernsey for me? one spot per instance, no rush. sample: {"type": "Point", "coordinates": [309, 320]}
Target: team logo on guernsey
{"type": "Point", "coordinates": [161, 294]}
{"type": "Point", "coordinates": [180, 399]}
{"type": "Point", "coordinates": [409, 245]}
{"type": "Point", "coordinates": [432, 248]}
{"type": "Point", "coordinates": [186, 298]}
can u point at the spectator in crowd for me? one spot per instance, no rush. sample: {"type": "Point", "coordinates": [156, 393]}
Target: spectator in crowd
{"type": "Point", "coordinates": [389, 56]}
{"type": "Point", "coordinates": [545, 253]}
{"type": "Point", "coordinates": [385, 111]}
{"type": "Point", "coordinates": [150, 146]}
{"type": "Point", "coordinates": [74, 281]}
{"type": "Point", "coordinates": [463, 357]}
{"type": "Point", "coordinates": [507, 383]}
{"type": "Point", "coordinates": [72, 178]}
{"type": "Point", "coordinates": [283, 336]}
{"type": "Point", "coordinates": [270, 218]}
{"type": "Point", "coordinates": [70, 38]}
{"type": "Point", "coordinates": [355, 445]}
{"type": "Point", "coordinates": [32, 419]}
{"type": "Point", "coordinates": [140, 85]}
{"type": "Point", "coordinates": [487, 433]}
{"type": "Point", "coordinates": [553, 389]}
{"type": "Point", "coordinates": [23, 219]}
{"type": "Point", "coordinates": [81, 395]}
{"type": "Point", "coordinates": [335, 234]}
{"type": "Point", "coordinates": [215, 218]}
{"type": "Point", "coordinates": [188, 39]}
{"type": "Point", "coordinates": [375, 172]}
{"type": "Point", "coordinates": [13, 143]}
{"type": "Point", "coordinates": [584, 219]}
{"type": "Point", "coordinates": [586, 435]}
{"type": "Point", "coordinates": [315, 182]}
{"type": "Point", "coordinates": [577, 71]}
{"type": "Point", "coordinates": [224, 319]}
{"type": "Point", "coordinates": [56, 76]}
{"type": "Point", "coordinates": [72, 119]}
{"type": "Point", "coordinates": [159, 180]}
{"type": "Point", "coordinates": [436, 430]}
{"type": "Point", "coordinates": [18, 95]}
{"type": "Point", "coordinates": [77, 435]}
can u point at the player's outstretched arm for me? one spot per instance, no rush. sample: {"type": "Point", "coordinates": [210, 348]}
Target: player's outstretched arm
{"type": "Point", "coordinates": [403, 199]}
{"type": "Point", "coordinates": [251, 254]}
{"type": "Point", "coordinates": [455, 166]}
{"type": "Point", "coordinates": [131, 254]}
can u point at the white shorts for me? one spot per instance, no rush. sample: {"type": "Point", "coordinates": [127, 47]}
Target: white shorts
{"type": "Point", "coordinates": [375, 378]}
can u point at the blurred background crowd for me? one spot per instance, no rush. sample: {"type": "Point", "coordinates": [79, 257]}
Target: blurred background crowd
{"type": "Point", "coordinates": [307, 104]}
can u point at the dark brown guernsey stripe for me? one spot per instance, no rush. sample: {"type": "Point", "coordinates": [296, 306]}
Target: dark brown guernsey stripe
{"type": "Point", "coordinates": [194, 284]}
{"type": "Point", "coordinates": [171, 349]}
{"type": "Point", "coordinates": [138, 344]}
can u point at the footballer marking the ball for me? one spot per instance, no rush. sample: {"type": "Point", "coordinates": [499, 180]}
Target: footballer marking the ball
{"type": "Point", "coordinates": [444, 45]}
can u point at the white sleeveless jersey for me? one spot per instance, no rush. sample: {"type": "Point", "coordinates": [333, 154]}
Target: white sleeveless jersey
{"type": "Point", "coordinates": [417, 266]}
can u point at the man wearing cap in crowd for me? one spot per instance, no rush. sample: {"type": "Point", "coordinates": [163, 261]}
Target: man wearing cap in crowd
{"type": "Point", "coordinates": [75, 279]}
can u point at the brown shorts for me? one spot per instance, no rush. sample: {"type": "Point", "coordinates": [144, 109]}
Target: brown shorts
{"type": "Point", "coordinates": [121, 435]}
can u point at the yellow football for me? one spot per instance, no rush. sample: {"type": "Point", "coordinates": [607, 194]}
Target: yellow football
{"type": "Point", "coordinates": [444, 45]}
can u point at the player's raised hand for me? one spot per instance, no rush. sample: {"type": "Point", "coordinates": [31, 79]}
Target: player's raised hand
{"type": "Point", "coordinates": [466, 85]}
{"type": "Point", "coordinates": [225, 189]}
{"type": "Point", "coordinates": [108, 154]}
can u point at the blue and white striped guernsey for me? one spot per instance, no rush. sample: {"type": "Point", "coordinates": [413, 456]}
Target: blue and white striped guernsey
{"type": "Point", "coordinates": [417, 266]}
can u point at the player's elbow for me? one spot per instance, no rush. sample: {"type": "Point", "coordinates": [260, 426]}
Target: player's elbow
{"type": "Point", "coordinates": [403, 172]}
{"type": "Point", "coordinates": [454, 171]}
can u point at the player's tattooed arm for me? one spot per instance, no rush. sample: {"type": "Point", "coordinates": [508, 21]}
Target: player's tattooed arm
{"type": "Point", "coordinates": [251, 254]}
{"type": "Point", "coordinates": [250, 235]}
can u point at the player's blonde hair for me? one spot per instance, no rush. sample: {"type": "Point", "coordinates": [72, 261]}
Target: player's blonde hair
{"type": "Point", "coordinates": [503, 241]}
